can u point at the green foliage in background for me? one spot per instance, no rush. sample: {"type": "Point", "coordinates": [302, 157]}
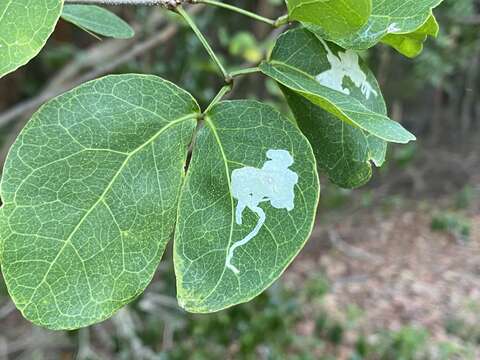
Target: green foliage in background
{"type": "Point", "coordinates": [453, 224]}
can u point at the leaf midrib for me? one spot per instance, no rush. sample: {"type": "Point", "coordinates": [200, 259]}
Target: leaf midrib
{"type": "Point", "coordinates": [102, 196]}
{"type": "Point", "coordinates": [227, 171]}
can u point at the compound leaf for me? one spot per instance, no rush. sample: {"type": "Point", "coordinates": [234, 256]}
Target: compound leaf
{"type": "Point", "coordinates": [336, 17]}
{"type": "Point", "coordinates": [247, 207]}
{"type": "Point", "coordinates": [98, 20]}
{"type": "Point", "coordinates": [25, 26]}
{"type": "Point", "coordinates": [334, 79]}
{"type": "Point", "coordinates": [398, 17]}
{"type": "Point", "coordinates": [90, 191]}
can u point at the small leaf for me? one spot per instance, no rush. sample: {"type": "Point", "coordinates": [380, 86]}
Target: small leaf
{"type": "Point", "coordinates": [247, 207]}
{"type": "Point", "coordinates": [337, 18]}
{"type": "Point", "coordinates": [25, 26]}
{"type": "Point", "coordinates": [334, 79]}
{"type": "Point", "coordinates": [344, 152]}
{"type": "Point", "coordinates": [90, 191]}
{"type": "Point", "coordinates": [97, 20]}
{"type": "Point", "coordinates": [388, 17]}
{"type": "Point", "coordinates": [411, 44]}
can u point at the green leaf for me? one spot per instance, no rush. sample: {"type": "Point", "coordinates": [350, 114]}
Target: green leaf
{"type": "Point", "coordinates": [242, 158]}
{"type": "Point", "coordinates": [336, 17]}
{"type": "Point", "coordinates": [342, 151]}
{"type": "Point", "coordinates": [25, 26]}
{"type": "Point", "coordinates": [98, 20]}
{"type": "Point", "coordinates": [90, 191]}
{"type": "Point", "coordinates": [335, 80]}
{"type": "Point", "coordinates": [388, 17]}
{"type": "Point", "coordinates": [411, 44]}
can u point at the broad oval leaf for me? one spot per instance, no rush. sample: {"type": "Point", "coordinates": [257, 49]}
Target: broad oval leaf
{"type": "Point", "coordinates": [335, 17]}
{"type": "Point", "coordinates": [25, 26]}
{"type": "Point", "coordinates": [98, 20]}
{"type": "Point", "coordinates": [90, 192]}
{"type": "Point", "coordinates": [247, 206]}
{"type": "Point", "coordinates": [334, 79]}
{"type": "Point", "coordinates": [388, 17]}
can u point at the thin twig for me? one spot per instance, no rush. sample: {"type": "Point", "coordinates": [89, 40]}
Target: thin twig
{"type": "Point", "coordinates": [204, 42]}
{"type": "Point", "coordinates": [165, 3]}
{"type": "Point", "coordinates": [127, 331]}
{"type": "Point", "coordinates": [236, 9]}
{"type": "Point", "coordinates": [84, 350]}
{"type": "Point", "coordinates": [350, 250]}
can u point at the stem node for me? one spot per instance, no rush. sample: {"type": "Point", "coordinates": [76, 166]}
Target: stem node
{"type": "Point", "coordinates": [229, 80]}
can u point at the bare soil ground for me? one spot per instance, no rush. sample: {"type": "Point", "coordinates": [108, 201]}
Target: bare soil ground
{"type": "Point", "coordinates": [398, 272]}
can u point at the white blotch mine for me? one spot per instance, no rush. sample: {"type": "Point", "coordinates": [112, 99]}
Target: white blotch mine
{"type": "Point", "coordinates": [251, 186]}
{"type": "Point", "coordinates": [345, 64]}
{"type": "Point", "coordinates": [393, 28]}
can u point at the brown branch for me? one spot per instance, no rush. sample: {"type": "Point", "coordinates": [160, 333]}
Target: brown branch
{"type": "Point", "coordinates": [350, 250]}
{"type": "Point", "coordinates": [164, 3]}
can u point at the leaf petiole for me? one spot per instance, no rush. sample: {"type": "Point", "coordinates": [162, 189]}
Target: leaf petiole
{"type": "Point", "coordinates": [203, 40]}
{"type": "Point", "coordinates": [246, 71]}
{"type": "Point", "coordinates": [223, 91]}
{"type": "Point", "coordinates": [237, 10]}
{"type": "Point", "coordinates": [282, 20]}
{"type": "Point", "coordinates": [275, 23]}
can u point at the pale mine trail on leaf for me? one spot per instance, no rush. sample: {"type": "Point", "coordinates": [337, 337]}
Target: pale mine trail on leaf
{"type": "Point", "coordinates": [346, 64]}
{"type": "Point", "coordinates": [251, 186]}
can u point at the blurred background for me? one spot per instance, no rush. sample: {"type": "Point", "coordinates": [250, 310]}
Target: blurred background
{"type": "Point", "coordinates": [392, 270]}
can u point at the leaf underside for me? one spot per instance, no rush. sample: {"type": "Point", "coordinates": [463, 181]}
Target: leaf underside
{"type": "Point", "coordinates": [345, 153]}
{"type": "Point", "coordinates": [90, 191]}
